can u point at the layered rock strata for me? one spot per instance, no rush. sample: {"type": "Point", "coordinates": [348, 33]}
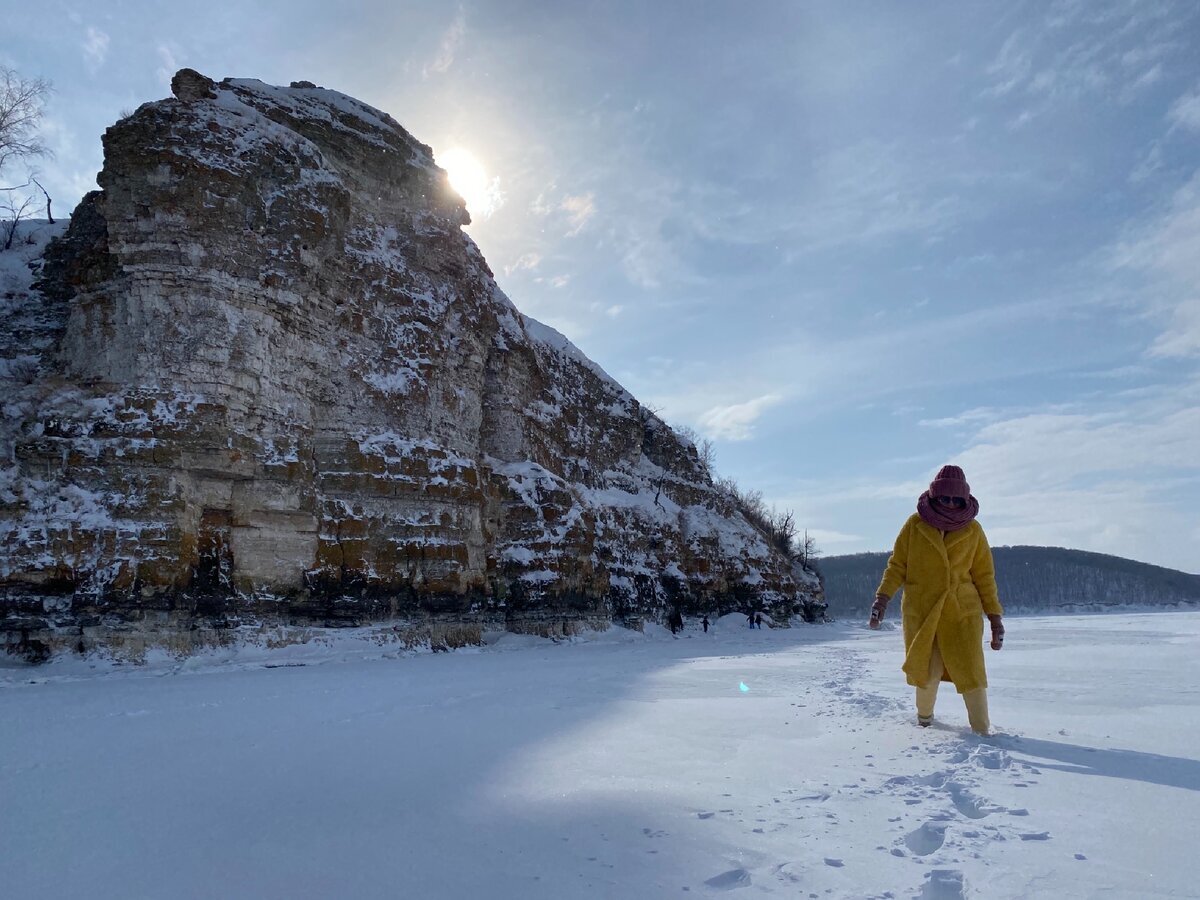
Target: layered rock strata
{"type": "Point", "coordinates": [271, 383]}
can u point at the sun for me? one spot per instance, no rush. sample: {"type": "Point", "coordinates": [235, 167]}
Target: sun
{"type": "Point", "coordinates": [470, 179]}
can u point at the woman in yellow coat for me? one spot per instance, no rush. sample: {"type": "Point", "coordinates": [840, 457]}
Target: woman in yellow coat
{"type": "Point", "coordinates": [943, 562]}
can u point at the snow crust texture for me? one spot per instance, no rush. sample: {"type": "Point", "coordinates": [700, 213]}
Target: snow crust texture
{"type": "Point", "coordinates": [264, 378]}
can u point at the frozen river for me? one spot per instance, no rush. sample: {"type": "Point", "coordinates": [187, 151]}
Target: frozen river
{"type": "Point", "coordinates": [742, 763]}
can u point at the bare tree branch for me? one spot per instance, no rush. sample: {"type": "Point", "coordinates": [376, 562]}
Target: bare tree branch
{"type": "Point", "coordinates": [22, 102]}
{"type": "Point", "coordinates": [16, 207]}
{"type": "Point", "coordinates": [49, 215]}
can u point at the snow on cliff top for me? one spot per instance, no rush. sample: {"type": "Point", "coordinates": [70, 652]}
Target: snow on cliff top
{"type": "Point", "coordinates": [305, 101]}
{"type": "Point", "coordinates": [560, 343]}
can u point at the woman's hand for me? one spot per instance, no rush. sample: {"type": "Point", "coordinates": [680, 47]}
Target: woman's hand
{"type": "Point", "coordinates": [878, 608]}
{"type": "Point", "coordinates": [997, 631]}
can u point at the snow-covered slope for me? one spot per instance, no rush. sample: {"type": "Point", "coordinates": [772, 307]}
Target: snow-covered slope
{"type": "Point", "coordinates": [284, 388]}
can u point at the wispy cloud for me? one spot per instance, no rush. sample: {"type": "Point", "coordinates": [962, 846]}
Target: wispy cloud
{"type": "Point", "coordinates": [95, 48]}
{"type": "Point", "coordinates": [1150, 162]}
{"type": "Point", "coordinates": [870, 191]}
{"type": "Point", "coordinates": [170, 64]}
{"type": "Point", "coordinates": [1105, 480]}
{"type": "Point", "coordinates": [1118, 50]}
{"type": "Point", "coordinates": [1150, 77]}
{"type": "Point", "coordinates": [1166, 248]}
{"type": "Point", "coordinates": [579, 210]}
{"type": "Point", "coordinates": [735, 422]}
{"type": "Point", "coordinates": [971, 417]}
{"type": "Point", "coordinates": [526, 261]}
{"type": "Point", "coordinates": [451, 42]}
{"type": "Point", "coordinates": [1185, 111]}
{"type": "Point", "coordinates": [1012, 65]}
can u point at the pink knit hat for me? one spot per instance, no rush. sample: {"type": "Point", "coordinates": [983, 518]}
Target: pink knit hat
{"type": "Point", "coordinates": [950, 482]}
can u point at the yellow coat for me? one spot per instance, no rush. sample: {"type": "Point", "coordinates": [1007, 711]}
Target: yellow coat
{"type": "Point", "coordinates": [949, 584]}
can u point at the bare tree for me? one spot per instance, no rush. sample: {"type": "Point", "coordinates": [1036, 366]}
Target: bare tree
{"type": "Point", "coordinates": [706, 451]}
{"type": "Point", "coordinates": [46, 194]}
{"type": "Point", "coordinates": [783, 532]}
{"type": "Point", "coordinates": [22, 102]}
{"type": "Point", "coordinates": [808, 550]}
{"type": "Point", "coordinates": [15, 208]}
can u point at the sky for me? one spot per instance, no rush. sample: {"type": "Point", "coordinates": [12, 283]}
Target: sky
{"type": "Point", "coordinates": [847, 243]}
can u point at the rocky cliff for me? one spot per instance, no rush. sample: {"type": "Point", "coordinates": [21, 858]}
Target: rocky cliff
{"type": "Point", "coordinates": [266, 381]}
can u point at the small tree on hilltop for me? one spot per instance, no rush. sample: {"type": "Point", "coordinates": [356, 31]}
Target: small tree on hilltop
{"type": "Point", "coordinates": [808, 550]}
{"type": "Point", "coordinates": [706, 451]}
{"type": "Point", "coordinates": [783, 532]}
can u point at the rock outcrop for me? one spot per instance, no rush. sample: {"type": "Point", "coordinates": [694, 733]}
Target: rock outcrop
{"type": "Point", "coordinates": [271, 383]}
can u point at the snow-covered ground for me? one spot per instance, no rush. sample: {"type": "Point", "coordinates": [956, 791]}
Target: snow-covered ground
{"type": "Point", "coordinates": [776, 762]}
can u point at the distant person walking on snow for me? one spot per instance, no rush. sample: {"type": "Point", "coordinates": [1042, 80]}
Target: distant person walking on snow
{"type": "Point", "coordinates": [704, 622]}
{"type": "Point", "coordinates": [676, 621]}
{"type": "Point", "coordinates": [943, 562]}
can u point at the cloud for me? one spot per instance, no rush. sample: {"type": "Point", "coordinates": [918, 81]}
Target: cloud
{"type": "Point", "coordinates": [452, 40]}
{"type": "Point", "coordinates": [529, 261]}
{"type": "Point", "coordinates": [648, 260]}
{"type": "Point", "coordinates": [1111, 476]}
{"type": "Point", "coordinates": [1011, 66]}
{"type": "Point", "coordinates": [735, 422]}
{"type": "Point", "coordinates": [1150, 163]}
{"type": "Point", "coordinates": [579, 210]}
{"type": "Point", "coordinates": [170, 64]}
{"type": "Point", "coordinates": [1117, 50]}
{"type": "Point", "coordinates": [1115, 481]}
{"type": "Point", "coordinates": [1185, 111]}
{"type": "Point", "coordinates": [1166, 249]}
{"type": "Point", "coordinates": [869, 192]}
{"type": "Point", "coordinates": [1151, 76]}
{"type": "Point", "coordinates": [971, 417]}
{"type": "Point", "coordinates": [95, 48]}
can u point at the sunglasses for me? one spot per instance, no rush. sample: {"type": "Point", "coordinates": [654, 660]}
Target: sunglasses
{"type": "Point", "coordinates": [956, 502]}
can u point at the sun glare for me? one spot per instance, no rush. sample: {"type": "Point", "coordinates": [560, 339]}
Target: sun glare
{"type": "Point", "coordinates": [468, 176]}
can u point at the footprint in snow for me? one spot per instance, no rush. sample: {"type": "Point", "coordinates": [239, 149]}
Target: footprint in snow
{"type": "Point", "coordinates": [943, 884]}
{"type": "Point", "coordinates": [791, 872]}
{"type": "Point", "coordinates": [968, 804]}
{"type": "Point", "coordinates": [926, 839]}
{"type": "Point", "coordinates": [990, 757]}
{"type": "Point", "coordinates": [729, 881]}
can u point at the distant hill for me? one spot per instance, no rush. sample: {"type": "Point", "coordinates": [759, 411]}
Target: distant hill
{"type": "Point", "coordinates": [1030, 579]}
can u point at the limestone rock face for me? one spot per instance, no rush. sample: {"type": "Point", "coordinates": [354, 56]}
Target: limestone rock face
{"type": "Point", "coordinates": [271, 382]}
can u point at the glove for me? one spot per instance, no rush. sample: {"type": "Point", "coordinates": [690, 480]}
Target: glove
{"type": "Point", "coordinates": [997, 631]}
{"type": "Point", "coordinates": [878, 608]}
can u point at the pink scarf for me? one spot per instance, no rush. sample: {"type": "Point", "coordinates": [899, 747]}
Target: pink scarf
{"type": "Point", "coordinates": [946, 518]}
